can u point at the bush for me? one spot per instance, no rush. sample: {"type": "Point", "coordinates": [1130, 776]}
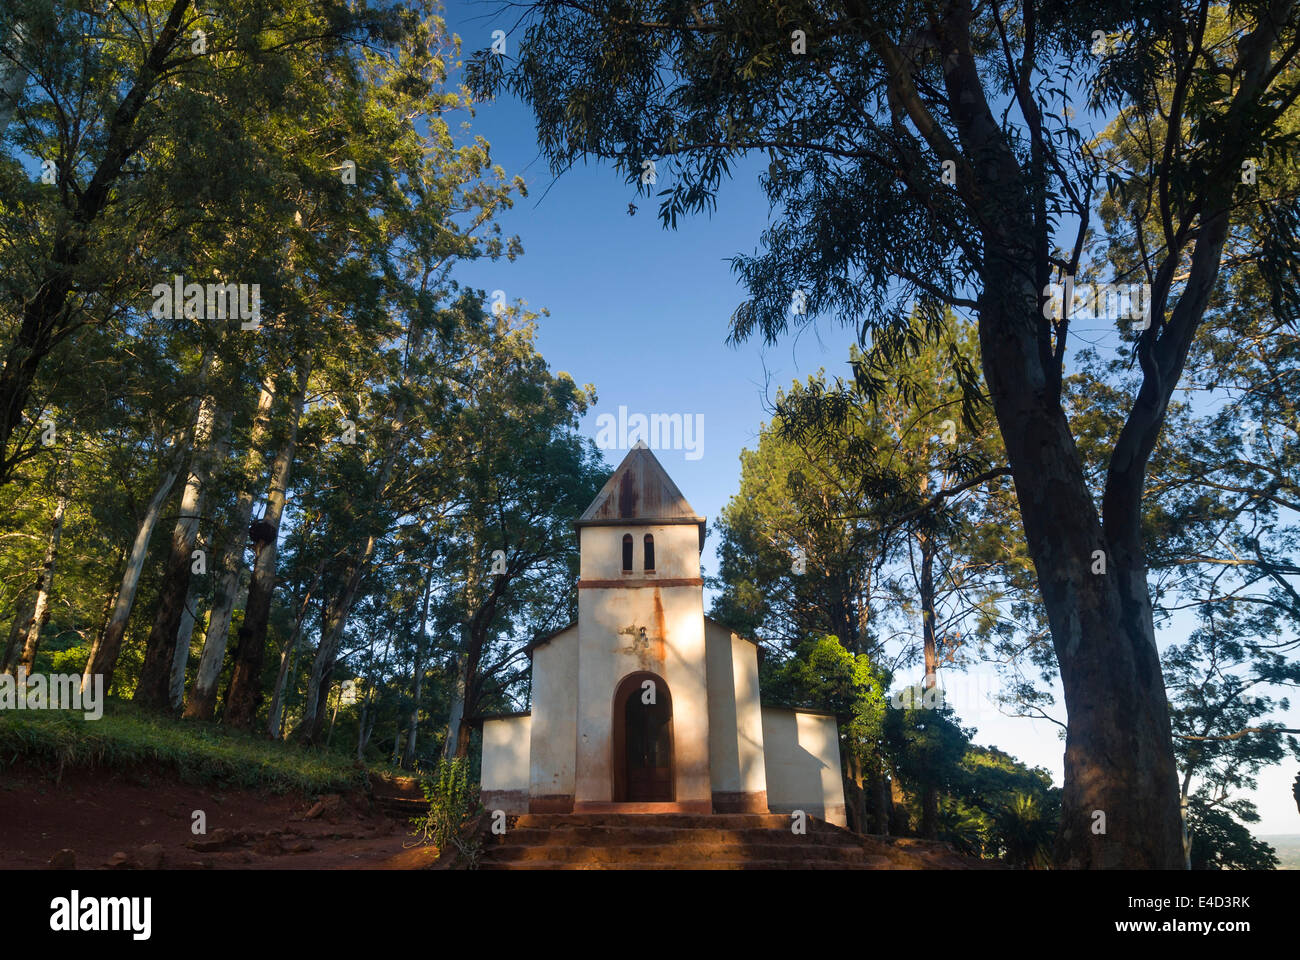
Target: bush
{"type": "Point", "coordinates": [453, 803]}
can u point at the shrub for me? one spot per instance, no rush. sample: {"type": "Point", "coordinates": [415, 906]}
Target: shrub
{"type": "Point", "coordinates": [453, 803]}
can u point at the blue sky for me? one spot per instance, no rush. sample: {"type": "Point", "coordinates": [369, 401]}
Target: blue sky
{"type": "Point", "coordinates": [642, 312]}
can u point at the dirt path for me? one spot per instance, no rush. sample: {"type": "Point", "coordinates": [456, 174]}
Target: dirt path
{"type": "Point", "coordinates": [147, 817]}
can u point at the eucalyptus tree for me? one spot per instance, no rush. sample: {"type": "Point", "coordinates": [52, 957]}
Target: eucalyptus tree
{"type": "Point", "coordinates": [527, 475]}
{"type": "Point", "coordinates": [907, 499]}
{"type": "Point", "coordinates": [936, 151]}
{"type": "Point", "coordinates": [131, 117]}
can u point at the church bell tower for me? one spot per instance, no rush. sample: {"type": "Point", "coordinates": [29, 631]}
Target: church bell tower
{"type": "Point", "coordinates": [642, 690]}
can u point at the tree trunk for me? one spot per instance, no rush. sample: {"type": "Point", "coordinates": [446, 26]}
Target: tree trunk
{"type": "Point", "coordinates": [44, 584]}
{"type": "Point", "coordinates": [332, 628]}
{"type": "Point", "coordinates": [23, 604]}
{"type": "Point", "coordinates": [110, 599]}
{"type": "Point", "coordinates": [456, 716]}
{"type": "Point", "coordinates": [468, 683]}
{"type": "Point", "coordinates": [154, 689]}
{"type": "Point", "coordinates": [899, 822]}
{"type": "Point", "coordinates": [856, 795]}
{"type": "Point", "coordinates": [244, 695]}
{"type": "Point", "coordinates": [417, 683]}
{"type": "Point", "coordinates": [279, 731]}
{"type": "Point", "coordinates": [203, 694]}
{"type": "Point", "coordinates": [878, 794]}
{"type": "Point", "coordinates": [104, 653]}
{"type": "Point", "coordinates": [331, 633]}
{"type": "Point", "coordinates": [275, 716]}
{"type": "Point", "coordinates": [13, 77]}
{"type": "Point", "coordinates": [1119, 806]}
{"type": "Point", "coordinates": [929, 792]}
{"type": "Point", "coordinates": [369, 715]}
{"type": "Point", "coordinates": [181, 656]}
{"type": "Point", "coordinates": [335, 715]}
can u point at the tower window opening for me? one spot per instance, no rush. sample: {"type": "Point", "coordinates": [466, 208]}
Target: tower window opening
{"type": "Point", "coordinates": [649, 552]}
{"type": "Point", "coordinates": [627, 553]}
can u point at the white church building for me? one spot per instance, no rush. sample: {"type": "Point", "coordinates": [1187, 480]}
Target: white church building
{"type": "Point", "coordinates": [644, 704]}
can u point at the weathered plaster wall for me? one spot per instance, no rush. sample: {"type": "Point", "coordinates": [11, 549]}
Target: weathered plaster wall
{"type": "Point", "coordinates": [802, 759]}
{"type": "Point", "coordinates": [552, 760]}
{"type": "Point", "coordinates": [504, 779]}
{"type": "Point", "coordinates": [736, 762]}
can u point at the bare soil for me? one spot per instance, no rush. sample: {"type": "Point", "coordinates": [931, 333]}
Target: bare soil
{"type": "Point", "coordinates": [115, 819]}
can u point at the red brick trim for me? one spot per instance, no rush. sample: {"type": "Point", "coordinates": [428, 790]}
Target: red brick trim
{"type": "Point", "coordinates": [649, 582]}
{"type": "Point", "coordinates": [551, 803]}
{"type": "Point", "coordinates": [677, 806]}
{"type": "Point", "coordinates": [736, 802]}
{"type": "Point", "coordinates": [511, 801]}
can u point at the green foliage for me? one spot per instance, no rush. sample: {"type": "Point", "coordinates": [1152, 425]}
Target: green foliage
{"type": "Point", "coordinates": [998, 807]}
{"type": "Point", "coordinates": [1025, 832]}
{"type": "Point", "coordinates": [453, 804]}
{"type": "Point", "coordinates": [1221, 842]}
{"type": "Point", "coordinates": [127, 737]}
{"type": "Point", "coordinates": [824, 675]}
{"type": "Point", "coordinates": [926, 744]}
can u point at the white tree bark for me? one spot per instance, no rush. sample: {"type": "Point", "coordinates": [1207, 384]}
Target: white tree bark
{"type": "Point", "coordinates": [181, 658]}
{"type": "Point", "coordinates": [203, 694]}
{"type": "Point", "coordinates": [457, 715]}
{"type": "Point", "coordinates": [13, 77]}
{"type": "Point", "coordinates": [134, 566]}
{"type": "Point", "coordinates": [41, 612]}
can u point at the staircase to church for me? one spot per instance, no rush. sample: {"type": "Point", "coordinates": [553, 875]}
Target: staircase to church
{"type": "Point", "coordinates": [623, 841]}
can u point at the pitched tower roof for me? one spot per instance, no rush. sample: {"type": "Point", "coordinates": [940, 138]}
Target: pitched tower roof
{"type": "Point", "coordinates": [640, 492]}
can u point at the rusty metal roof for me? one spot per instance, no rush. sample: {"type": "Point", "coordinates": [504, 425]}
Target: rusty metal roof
{"type": "Point", "coordinates": [639, 491]}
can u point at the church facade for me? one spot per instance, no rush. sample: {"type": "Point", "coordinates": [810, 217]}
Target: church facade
{"type": "Point", "coordinates": [645, 704]}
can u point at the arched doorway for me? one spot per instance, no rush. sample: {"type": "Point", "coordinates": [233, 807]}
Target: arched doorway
{"type": "Point", "coordinates": [643, 740]}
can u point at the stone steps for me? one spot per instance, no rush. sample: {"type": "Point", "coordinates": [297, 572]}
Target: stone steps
{"type": "Point", "coordinates": [731, 821]}
{"type": "Point", "coordinates": [638, 836]}
{"type": "Point", "coordinates": [676, 841]}
{"type": "Point", "coordinates": [403, 808]}
{"type": "Point", "coordinates": [669, 853]}
{"type": "Point", "coordinates": [874, 863]}
{"type": "Point", "coordinates": [399, 797]}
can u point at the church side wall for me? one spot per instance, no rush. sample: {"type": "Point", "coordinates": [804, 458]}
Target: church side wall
{"type": "Point", "coordinates": [749, 726]}
{"type": "Point", "coordinates": [504, 779]}
{"type": "Point", "coordinates": [739, 779]}
{"type": "Point", "coordinates": [554, 734]}
{"type": "Point", "coordinates": [802, 759]}
{"type": "Point", "coordinates": [724, 756]}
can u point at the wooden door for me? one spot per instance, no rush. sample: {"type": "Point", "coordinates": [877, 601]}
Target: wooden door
{"type": "Point", "coordinates": [644, 769]}
{"type": "Point", "coordinates": [648, 749]}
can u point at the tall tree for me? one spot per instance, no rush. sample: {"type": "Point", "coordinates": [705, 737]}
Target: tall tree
{"type": "Point", "coordinates": [114, 134]}
{"type": "Point", "coordinates": [949, 124]}
{"type": "Point", "coordinates": [244, 694]}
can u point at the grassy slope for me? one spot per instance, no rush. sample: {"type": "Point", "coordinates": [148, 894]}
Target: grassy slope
{"type": "Point", "coordinates": [199, 752]}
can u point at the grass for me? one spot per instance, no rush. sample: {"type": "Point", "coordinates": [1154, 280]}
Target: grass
{"type": "Point", "coordinates": [128, 737]}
